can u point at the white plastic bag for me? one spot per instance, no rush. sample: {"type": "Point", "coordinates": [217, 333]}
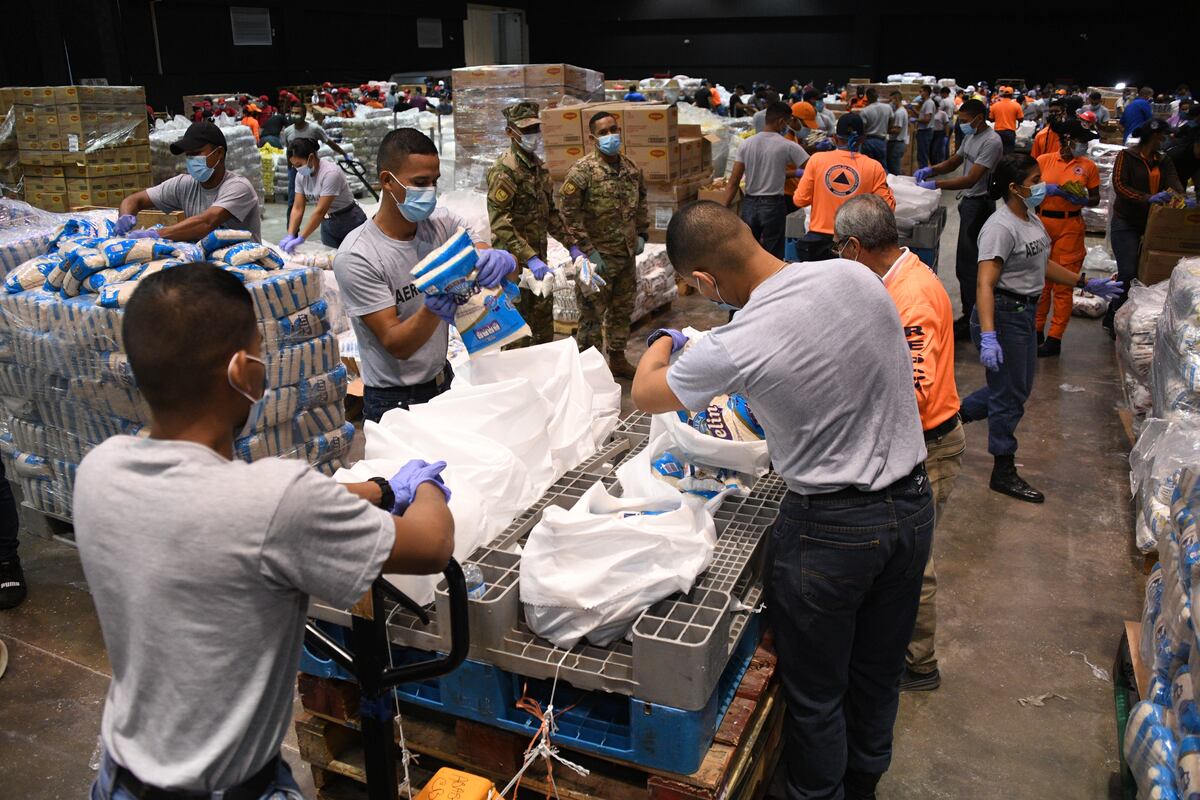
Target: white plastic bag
{"type": "Point", "coordinates": [668, 431]}
{"type": "Point", "coordinates": [591, 570]}
{"type": "Point", "coordinates": [606, 394]}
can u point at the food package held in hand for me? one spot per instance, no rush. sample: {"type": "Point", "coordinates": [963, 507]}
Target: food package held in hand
{"type": "Point", "coordinates": [450, 268]}
{"type": "Point", "coordinates": [587, 276]}
{"type": "Point", "coordinates": [488, 320]}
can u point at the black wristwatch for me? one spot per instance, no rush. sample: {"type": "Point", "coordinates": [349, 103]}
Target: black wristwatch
{"type": "Point", "coordinates": [387, 497]}
{"type": "Point", "coordinates": [1082, 282]}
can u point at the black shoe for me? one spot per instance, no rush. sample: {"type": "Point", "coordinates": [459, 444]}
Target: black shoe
{"type": "Point", "coordinates": [962, 329]}
{"type": "Point", "coordinates": [1005, 480]}
{"type": "Point", "coordinates": [860, 785]}
{"type": "Point", "coordinates": [12, 584]}
{"type": "Point", "coordinates": [1041, 338]}
{"type": "Point", "coordinates": [1049, 348]}
{"type": "Point", "coordinates": [920, 681]}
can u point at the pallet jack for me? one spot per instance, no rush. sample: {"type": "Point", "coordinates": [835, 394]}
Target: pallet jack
{"type": "Point", "coordinates": [354, 167]}
{"type": "Point", "coordinates": [368, 660]}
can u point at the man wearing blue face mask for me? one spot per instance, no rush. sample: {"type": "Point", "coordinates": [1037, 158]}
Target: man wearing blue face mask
{"type": "Point", "coordinates": [210, 196]}
{"type": "Point", "coordinates": [402, 334]}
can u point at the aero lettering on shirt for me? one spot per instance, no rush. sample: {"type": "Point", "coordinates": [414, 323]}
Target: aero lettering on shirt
{"type": "Point", "coordinates": [406, 293]}
{"type": "Point", "coordinates": [1036, 247]}
{"type": "Point", "coordinates": [842, 180]}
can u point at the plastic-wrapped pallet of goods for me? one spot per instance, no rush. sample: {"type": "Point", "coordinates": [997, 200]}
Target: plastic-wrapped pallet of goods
{"type": "Point", "coordinates": [1105, 155]}
{"type": "Point", "coordinates": [1136, 325]}
{"type": "Point", "coordinates": [482, 93]}
{"type": "Point", "coordinates": [12, 184]}
{"type": "Point", "coordinates": [366, 131]}
{"type": "Point", "coordinates": [1175, 368]}
{"type": "Point", "coordinates": [243, 156]}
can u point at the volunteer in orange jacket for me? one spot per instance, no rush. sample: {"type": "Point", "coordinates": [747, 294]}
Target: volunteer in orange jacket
{"type": "Point", "coordinates": [830, 179]}
{"type": "Point", "coordinates": [1046, 140]}
{"type": "Point", "coordinates": [1006, 113]}
{"type": "Point", "coordinates": [1062, 214]}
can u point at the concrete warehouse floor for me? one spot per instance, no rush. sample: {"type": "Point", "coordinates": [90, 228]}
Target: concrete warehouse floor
{"type": "Point", "coordinates": [1022, 586]}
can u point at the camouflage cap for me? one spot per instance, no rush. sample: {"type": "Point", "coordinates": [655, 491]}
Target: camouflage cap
{"type": "Point", "coordinates": [523, 114]}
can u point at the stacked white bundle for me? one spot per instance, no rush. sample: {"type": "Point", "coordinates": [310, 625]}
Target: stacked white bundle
{"type": "Point", "coordinates": [365, 131]}
{"type": "Point", "coordinates": [67, 384]}
{"type": "Point", "coordinates": [242, 156]}
{"type": "Point", "coordinates": [913, 204]}
{"type": "Point", "coordinates": [1105, 156]}
{"type": "Point", "coordinates": [1175, 369]}
{"type": "Point", "coordinates": [1136, 325]}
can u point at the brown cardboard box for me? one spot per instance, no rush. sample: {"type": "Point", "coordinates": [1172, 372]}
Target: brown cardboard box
{"type": "Point", "coordinates": [715, 192]}
{"type": "Point", "coordinates": [148, 219]}
{"type": "Point", "coordinates": [644, 124]}
{"type": "Point", "coordinates": [658, 163]}
{"type": "Point", "coordinates": [563, 126]}
{"type": "Point", "coordinates": [560, 159]}
{"type": "Point", "coordinates": [690, 150]}
{"type": "Point", "coordinates": [488, 77]}
{"type": "Point", "coordinates": [548, 74]}
{"type": "Point", "coordinates": [1157, 265]}
{"type": "Point", "coordinates": [47, 201]}
{"type": "Point", "coordinates": [675, 192]}
{"type": "Point", "coordinates": [1173, 229]}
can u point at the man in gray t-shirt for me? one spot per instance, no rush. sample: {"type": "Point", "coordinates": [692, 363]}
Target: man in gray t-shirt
{"type": "Point", "coordinates": [201, 566]}
{"type": "Point", "coordinates": [210, 196]}
{"type": "Point", "coordinates": [819, 354]}
{"type": "Point", "coordinates": [877, 118]}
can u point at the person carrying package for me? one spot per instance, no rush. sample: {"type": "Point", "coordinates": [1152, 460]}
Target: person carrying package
{"type": "Point", "coordinates": [830, 179]}
{"type": "Point", "coordinates": [1006, 113]}
{"type": "Point", "coordinates": [204, 635]}
{"type": "Point", "coordinates": [767, 160]}
{"type": "Point", "coordinates": [866, 233]}
{"type": "Point", "coordinates": [1014, 265]}
{"type": "Point", "coordinates": [1046, 140]}
{"type": "Point", "coordinates": [603, 202]}
{"type": "Point", "coordinates": [319, 181]}
{"type": "Point", "coordinates": [402, 334]}
{"type": "Point", "coordinates": [522, 212]}
{"type": "Point", "coordinates": [876, 118]}
{"type": "Point", "coordinates": [210, 195]}
{"type": "Point", "coordinates": [858, 509]}
{"type": "Point", "coordinates": [981, 150]}
{"type": "Point", "coordinates": [1072, 183]}
{"type": "Point", "coordinates": [301, 128]}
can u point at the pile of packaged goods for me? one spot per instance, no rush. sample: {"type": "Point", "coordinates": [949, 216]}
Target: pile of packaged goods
{"type": "Point", "coordinates": [656, 285]}
{"type": "Point", "coordinates": [242, 154]}
{"type": "Point", "coordinates": [365, 131]}
{"type": "Point", "coordinates": [482, 93]}
{"type": "Point", "coordinates": [1136, 326]}
{"type": "Point", "coordinates": [268, 153]}
{"type": "Point", "coordinates": [11, 175]}
{"type": "Point", "coordinates": [1162, 736]}
{"type": "Point", "coordinates": [1175, 367]}
{"type": "Point", "coordinates": [66, 382]}
{"type": "Point", "coordinates": [81, 145]}
{"type": "Point", "coordinates": [1105, 155]}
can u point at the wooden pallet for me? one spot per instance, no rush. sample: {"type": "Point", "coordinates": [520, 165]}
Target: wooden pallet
{"type": "Point", "coordinates": [738, 766]}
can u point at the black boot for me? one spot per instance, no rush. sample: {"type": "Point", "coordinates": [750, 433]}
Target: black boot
{"type": "Point", "coordinates": [12, 583]}
{"type": "Point", "coordinates": [860, 785]}
{"type": "Point", "coordinates": [1049, 348]}
{"type": "Point", "coordinates": [1005, 480]}
{"type": "Point", "coordinates": [1041, 338]}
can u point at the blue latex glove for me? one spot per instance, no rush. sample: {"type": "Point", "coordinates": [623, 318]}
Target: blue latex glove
{"type": "Point", "coordinates": [798, 172]}
{"type": "Point", "coordinates": [927, 184]}
{"type": "Point", "coordinates": [922, 174]}
{"type": "Point", "coordinates": [1052, 190]}
{"type": "Point", "coordinates": [149, 233]}
{"type": "Point", "coordinates": [825, 146]}
{"type": "Point", "coordinates": [598, 264]}
{"type": "Point", "coordinates": [678, 339]}
{"type": "Point", "coordinates": [990, 354]}
{"type": "Point", "coordinates": [291, 244]}
{"type": "Point", "coordinates": [538, 267]}
{"type": "Point", "coordinates": [640, 245]}
{"type": "Point", "coordinates": [1161, 197]}
{"type": "Point", "coordinates": [1190, 203]}
{"type": "Point", "coordinates": [443, 305]}
{"type": "Point", "coordinates": [493, 267]}
{"type": "Point", "coordinates": [125, 223]}
{"type": "Point", "coordinates": [405, 482]}
{"type": "Point", "coordinates": [575, 253]}
{"type": "Point", "coordinates": [1105, 288]}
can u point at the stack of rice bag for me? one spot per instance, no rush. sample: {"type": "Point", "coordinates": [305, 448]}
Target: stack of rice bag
{"type": "Point", "coordinates": [66, 384]}
{"type": "Point", "coordinates": [1136, 326]}
{"type": "Point", "coordinates": [1175, 368]}
{"type": "Point", "coordinates": [1162, 738]}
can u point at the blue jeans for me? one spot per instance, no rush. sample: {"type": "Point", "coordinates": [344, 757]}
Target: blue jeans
{"type": "Point", "coordinates": [1008, 139]}
{"type": "Point", "coordinates": [814, 246]}
{"type": "Point", "coordinates": [284, 786]}
{"type": "Point", "coordinates": [972, 213]}
{"type": "Point", "coordinates": [876, 148]}
{"type": "Point", "coordinates": [378, 401]}
{"type": "Point", "coordinates": [843, 580]}
{"type": "Point", "coordinates": [1002, 401]}
{"type": "Point", "coordinates": [1126, 240]}
{"type": "Point", "coordinates": [766, 214]}
{"type": "Point", "coordinates": [335, 228]}
{"type": "Point", "coordinates": [895, 155]}
{"type": "Point", "coordinates": [939, 147]}
{"type": "Point", "coordinates": [924, 140]}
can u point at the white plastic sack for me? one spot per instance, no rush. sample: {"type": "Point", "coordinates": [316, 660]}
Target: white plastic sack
{"type": "Point", "coordinates": [668, 431]}
{"type": "Point", "coordinates": [606, 394]}
{"type": "Point", "coordinates": [591, 570]}
{"type": "Point", "coordinates": [913, 204]}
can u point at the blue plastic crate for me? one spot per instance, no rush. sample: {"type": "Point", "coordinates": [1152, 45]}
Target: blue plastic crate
{"type": "Point", "coordinates": [611, 726]}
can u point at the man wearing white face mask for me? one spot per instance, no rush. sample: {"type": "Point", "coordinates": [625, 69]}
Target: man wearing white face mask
{"type": "Point", "coordinates": [522, 212]}
{"type": "Point", "coordinates": [210, 196]}
{"type": "Point", "coordinates": [402, 334]}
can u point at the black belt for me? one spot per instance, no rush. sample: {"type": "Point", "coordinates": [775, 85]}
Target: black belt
{"type": "Point", "coordinates": [875, 136]}
{"type": "Point", "coordinates": [852, 493]}
{"type": "Point", "coordinates": [421, 392]}
{"type": "Point", "coordinates": [1022, 298]}
{"type": "Point", "coordinates": [937, 432]}
{"type": "Point", "coordinates": [1061, 214]}
{"type": "Point", "coordinates": [252, 788]}
{"type": "Point", "coordinates": [350, 207]}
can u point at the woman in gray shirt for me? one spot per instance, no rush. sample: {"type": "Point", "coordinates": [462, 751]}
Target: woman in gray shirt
{"type": "Point", "coordinates": [322, 183]}
{"type": "Point", "coordinates": [1014, 264]}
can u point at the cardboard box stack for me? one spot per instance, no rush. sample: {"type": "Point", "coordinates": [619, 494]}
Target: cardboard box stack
{"type": "Point", "coordinates": [10, 167]}
{"type": "Point", "coordinates": [676, 160]}
{"type": "Point", "coordinates": [82, 145]}
{"type": "Point", "coordinates": [1171, 234]}
{"type": "Point", "coordinates": [482, 93]}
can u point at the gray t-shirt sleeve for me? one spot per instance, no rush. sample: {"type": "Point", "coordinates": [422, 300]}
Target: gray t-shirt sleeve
{"type": "Point", "coordinates": [319, 134]}
{"type": "Point", "coordinates": [238, 198]}
{"type": "Point", "coordinates": [166, 195]}
{"type": "Point", "coordinates": [330, 180]}
{"type": "Point", "coordinates": [990, 153]}
{"type": "Point", "coordinates": [363, 285]}
{"type": "Point", "coordinates": [703, 371]}
{"type": "Point", "coordinates": [326, 542]}
{"type": "Point", "coordinates": [798, 154]}
{"type": "Point", "coordinates": [996, 241]}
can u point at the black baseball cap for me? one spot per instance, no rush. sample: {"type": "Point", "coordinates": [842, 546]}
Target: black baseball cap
{"type": "Point", "coordinates": [1073, 128]}
{"type": "Point", "coordinates": [848, 124]}
{"type": "Point", "coordinates": [197, 135]}
{"type": "Point", "coordinates": [1151, 127]}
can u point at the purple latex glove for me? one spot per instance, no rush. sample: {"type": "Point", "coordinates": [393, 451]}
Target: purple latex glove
{"type": "Point", "coordinates": [798, 172]}
{"type": "Point", "coordinates": [405, 482]}
{"type": "Point", "coordinates": [924, 173]}
{"type": "Point", "coordinates": [1189, 203]}
{"type": "Point", "coordinates": [493, 267]}
{"type": "Point", "coordinates": [149, 233]}
{"type": "Point", "coordinates": [1161, 197]}
{"type": "Point", "coordinates": [1105, 288]}
{"type": "Point", "coordinates": [678, 339]}
{"type": "Point", "coordinates": [990, 354]}
{"type": "Point", "coordinates": [443, 305]}
{"type": "Point", "coordinates": [575, 253]}
{"type": "Point", "coordinates": [1052, 190]}
{"type": "Point", "coordinates": [825, 146]}
{"type": "Point", "coordinates": [538, 267]}
{"type": "Point", "coordinates": [927, 184]}
{"type": "Point", "coordinates": [291, 243]}
{"type": "Point", "coordinates": [124, 225]}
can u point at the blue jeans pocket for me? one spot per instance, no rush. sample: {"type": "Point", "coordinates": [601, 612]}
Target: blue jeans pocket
{"type": "Point", "coordinates": [836, 572]}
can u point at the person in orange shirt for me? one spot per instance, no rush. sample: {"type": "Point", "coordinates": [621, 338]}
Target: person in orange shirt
{"type": "Point", "coordinates": [1063, 218]}
{"type": "Point", "coordinates": [860, 98]}
{"type": "Point", "coordinates": [866, 232]}
{"type": "Point", "coordinates": [830, 179]}
{"type": "Point", "coordinates": [1006, 113]}
{"type": "Point", "coordinates": [250, 120]}
{"type": "Point", "coordinates": [1046, 140]}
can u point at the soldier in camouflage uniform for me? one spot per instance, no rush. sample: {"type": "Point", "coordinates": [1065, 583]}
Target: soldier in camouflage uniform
{"type": "Point", "coordinates": [521, 211]}
{"type": "Point", "coordinates": [604, 209]}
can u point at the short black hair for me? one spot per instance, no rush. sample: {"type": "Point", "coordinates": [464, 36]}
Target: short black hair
{"type": "Point", "coordinates": [812, 94]}
{"type": "Point", "coordinates": [872, 94]}
{"type": "Point", "coordinates": [301, 105]}
{"type": "Point", "coordinates": [302, 148]}
{"type": "Point", "coordinates": [599, 115]}
{"type": "Point", "coordinates": [399, 145]}
{"type": "Point", "coordinates": [1095, 96]}
{"type": "Point", "coordinates": [703, 235]}
{"type": "Point", "coordinates": [973, 106]}
{"type": "Point", "coordinates": [181, 327]}
{"type": "Point", "coordinates": [778, 110]}
{"type": "Point", "coordinates": [1012, 169]}
{"type": "Point", "coordinates": [944, 90]}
